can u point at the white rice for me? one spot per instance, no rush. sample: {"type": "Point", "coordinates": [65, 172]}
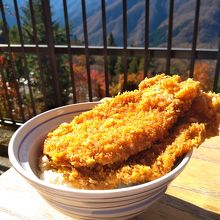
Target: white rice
{"type": "Point", "coordinates": [48, 175]}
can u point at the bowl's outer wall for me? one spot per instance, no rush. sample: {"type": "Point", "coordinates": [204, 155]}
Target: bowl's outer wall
{"type": "Point", "coordinates": [26, 145]}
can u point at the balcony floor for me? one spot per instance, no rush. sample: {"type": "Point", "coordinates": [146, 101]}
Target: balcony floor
{"type": "Point", "coordinates": [6, 134]}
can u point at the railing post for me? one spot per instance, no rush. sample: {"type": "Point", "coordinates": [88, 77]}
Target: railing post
{"type": "Point", "coordinates": [36, 49]}
{"type": "Point", "coordinates": [105, 48]}
{"type": "Point", "coordinates": [125, 58]}
{"type": "Point", "coordinates": [195, 35]}
{"type": "Point", "coordinates": [25, 66]}
{"type": "Point", "coordinates": [51, 50]}
{"type": "Point", "coordinates": [20, 103]}
{"type": "Point", "coordinates": [86, 49]}
{"type": "Point", "coordinates": [146, 37]}
{"type": "Point", "coordinates": [8, 100]}
{"type": "Point", "coordinates": [217, 68]}
{"type": "Point", "coordinates": [69, 50]}
{"type": "Point", "coordinates": [170, 32]}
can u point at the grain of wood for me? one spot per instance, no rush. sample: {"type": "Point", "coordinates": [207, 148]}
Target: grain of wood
{"type": "Point", "coordinates": [194, 194]}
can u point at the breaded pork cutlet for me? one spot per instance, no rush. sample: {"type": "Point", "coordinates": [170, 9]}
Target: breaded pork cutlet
{"type": "Point", "coordinates": [206, 109]}
{"type": "Point", "coordinates": [143, 167]}
{"type": "Point", "coordinates": [123, 126]}
{"type": "Point", "coordinates": [199, 122]}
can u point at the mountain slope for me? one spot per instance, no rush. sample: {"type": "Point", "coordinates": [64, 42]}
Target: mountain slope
{"type": "Point", "coordinates": [209, 24]}
{"type": "Point", "coordinates": [184, 12]}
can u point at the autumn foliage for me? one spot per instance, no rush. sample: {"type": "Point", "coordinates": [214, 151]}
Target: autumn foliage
{"type": "Point", "coordinates": [202, 72]}
{"type": "Point", "coordinates": [8, 95]}
{"type": "Point", "coordinates": [133, 81]}
{"type": "Point", "coordinates": [81, 80]}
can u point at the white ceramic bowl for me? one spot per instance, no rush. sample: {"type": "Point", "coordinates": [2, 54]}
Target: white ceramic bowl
{"type": "Point", "coordinates": [25, 148]}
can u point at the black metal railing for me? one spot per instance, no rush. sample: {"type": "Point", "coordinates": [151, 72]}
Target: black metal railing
{"type": "Point", "coordinates": [52, 50]}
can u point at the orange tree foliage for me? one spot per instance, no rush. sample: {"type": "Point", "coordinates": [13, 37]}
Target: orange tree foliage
{"type": "Point", "coordinates": [81, 82]}
{"type": "Point", "coordinates": [202, 72]}
{"type": "Point", "coordinates": [133, 81]}
{"type": "Point", "coordinates": [7, 89]}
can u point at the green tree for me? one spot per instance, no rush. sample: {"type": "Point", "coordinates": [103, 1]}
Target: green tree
{"type": "Point", "coordinates": [141, 64]}
{"type": "Point", "coordinates": [119, 66]}
{"type": "Point", "coordinates": [133, 65]}
{"type": "Point", "coordinates": [218, 86]}
{"type": "Point", "coordinates": [59, 38]}
{"type": "Point", "coordinates": [111, 60]}
{"type": "Point", "coordinates": [76, 41]}
{"type": "Point", "coordinates": [150, 66]}
{"type": "Point", "coordinates": [111, 41]}
{"type": "Point", "coordinates": [2, 33]}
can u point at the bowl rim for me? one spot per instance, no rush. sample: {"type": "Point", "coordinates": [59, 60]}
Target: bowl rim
{"type": "Point", "coordinates": [36, 180]}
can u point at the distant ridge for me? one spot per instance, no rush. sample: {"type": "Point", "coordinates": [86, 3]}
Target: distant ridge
{"type": "Point", "coordinates": [209, 25]}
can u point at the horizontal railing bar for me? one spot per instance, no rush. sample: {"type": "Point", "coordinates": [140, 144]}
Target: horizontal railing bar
{"type": "Point", "coordinates": [156, 52]}
{"type": "Point", "coordinates": [8, 121]}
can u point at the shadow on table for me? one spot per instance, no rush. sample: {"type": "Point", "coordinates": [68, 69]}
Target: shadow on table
{"type": "Point", "coordinates": [169, 207]}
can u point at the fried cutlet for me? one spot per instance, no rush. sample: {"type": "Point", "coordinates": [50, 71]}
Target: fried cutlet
{"type": "Point", "coordinates": [123, 126]}
{"type": "Point", "coordinates": [143, 167]}
{"type": "Point", "coordinates": [206, 109]}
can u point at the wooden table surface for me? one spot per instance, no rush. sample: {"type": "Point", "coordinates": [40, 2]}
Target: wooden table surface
{"type": "Point", "coordinates": [194, 194]}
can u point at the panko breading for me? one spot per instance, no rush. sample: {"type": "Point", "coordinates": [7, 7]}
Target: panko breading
{"type": "Point", "coordinates": [206, 109]}
{"type": "Point", "coordinates": [143, 167]}
{"type": "Point", "coordinates": [134, 138]}
{"type": "Point", "coordinates": [123, 126]}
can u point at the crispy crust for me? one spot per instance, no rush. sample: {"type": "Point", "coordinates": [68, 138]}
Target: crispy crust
{"type": "Point", "coordinates": [123, 126]}
{"type": "Point", "coordinates": [135, 137]}
{"type": "Point", "coordinates": [143, 167]}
